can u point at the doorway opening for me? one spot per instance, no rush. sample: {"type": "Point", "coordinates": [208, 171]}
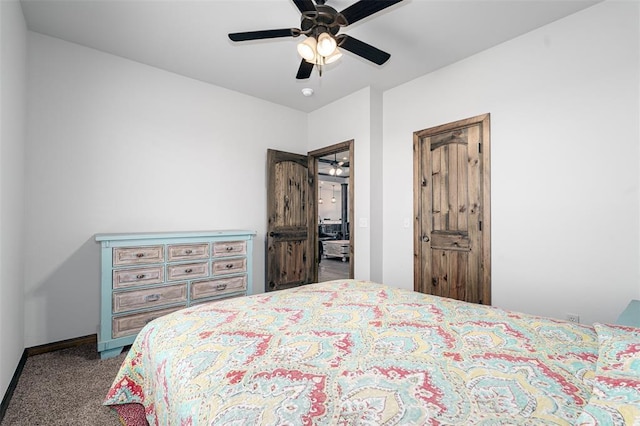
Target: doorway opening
{"type": "Point", "coordinates": [333, 241]}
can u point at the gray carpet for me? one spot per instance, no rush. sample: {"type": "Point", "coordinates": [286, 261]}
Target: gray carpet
{"type": "Point", "coordinates": [65, 387]}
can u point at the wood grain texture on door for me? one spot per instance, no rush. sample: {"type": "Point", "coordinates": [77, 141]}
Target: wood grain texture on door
{"type": "Point", "coordinates": [452, 210]}
{"type": "Point", "coordinates": [289, 251]}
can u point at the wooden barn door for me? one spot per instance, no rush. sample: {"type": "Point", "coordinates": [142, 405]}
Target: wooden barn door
{"type": "Point", "coordinates": [452, 211]}
{"type": "Point", "coordinates": [290, 253]}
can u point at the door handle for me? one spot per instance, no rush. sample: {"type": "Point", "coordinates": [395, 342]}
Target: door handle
{"type": "Point", "coordinates": [425, 238]}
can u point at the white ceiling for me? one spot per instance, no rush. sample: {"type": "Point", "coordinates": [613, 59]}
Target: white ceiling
{"type": "Point", "coordinates": [189, 37]}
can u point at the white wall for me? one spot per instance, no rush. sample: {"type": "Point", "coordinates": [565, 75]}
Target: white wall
{"type": "Point", "coordinates": [345, 119]}
{"type": "Point", "coordinates": [13, 60]}
{"type": "Point", "coordinates": [638, 12]}
{"type": "Point", "coordinates": [564, 169]}
{"type": "Point", "coordinates": [117, 146]}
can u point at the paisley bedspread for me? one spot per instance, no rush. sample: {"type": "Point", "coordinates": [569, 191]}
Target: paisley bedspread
{"type": "Point", "coordinates": [355, 353]}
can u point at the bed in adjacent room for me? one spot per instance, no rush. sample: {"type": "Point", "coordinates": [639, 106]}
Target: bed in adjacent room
{"type": "Point", "coordinates": [352, 352]}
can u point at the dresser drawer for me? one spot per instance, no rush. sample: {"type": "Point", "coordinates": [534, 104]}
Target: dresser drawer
{"type": "Point", "coordinates": [221, 300]}
{"type": "Point", "coordinates": [229, 248]}
{"type": "Point", "coordinates": [139, 299]}
{"type": "Point", "coordinates": [130, 324]}
{"type": "Point", "coordinates": [217, 287]}
{"type": "Point", "coordinates": [187, 271]}
{"type": "Point", "coordinates": [229, 266]}
{"type": "Point", "coordinates": [187, 252]}
{"type": "Point", "coordinates": [137, 255]}
{"type": "Point", "coordinates": [123, 278]}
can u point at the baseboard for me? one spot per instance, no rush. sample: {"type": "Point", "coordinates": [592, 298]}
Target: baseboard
{"type": "Point", "coordinates": [62, 344]}
{"type": "Point", "coordinates": [12, 385]}
{"type": "Point", "coordinates": [38, 350]}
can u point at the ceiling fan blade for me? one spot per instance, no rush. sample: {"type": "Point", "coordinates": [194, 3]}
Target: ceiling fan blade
{"type": "Point", "coordinates": [304, 71]}
{"type": "Point", "coordinates": [305, 5]}
{"type": "Point", "coordinates": [363, 49]}
{"type": "Point", "coordinates": [364, 8]}
{"type": "Point", "coordinates": [259, 35]}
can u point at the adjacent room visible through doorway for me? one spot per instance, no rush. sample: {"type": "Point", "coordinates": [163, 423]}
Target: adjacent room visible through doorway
{"type": "Point", "coordinates": [334, 191]}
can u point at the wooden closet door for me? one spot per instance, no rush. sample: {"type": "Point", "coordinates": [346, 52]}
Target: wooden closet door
{"type": "Point", "coordinates": [451, 202]}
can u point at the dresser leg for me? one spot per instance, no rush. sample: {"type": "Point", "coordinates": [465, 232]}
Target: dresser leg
{"type": "Point", "coordinates": [110, 353]}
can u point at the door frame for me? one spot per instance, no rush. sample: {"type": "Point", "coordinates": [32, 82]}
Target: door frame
{"type": "Point", "coordinates": [484, 120]}
{"type": "Point", "coordinates": [313, 212]}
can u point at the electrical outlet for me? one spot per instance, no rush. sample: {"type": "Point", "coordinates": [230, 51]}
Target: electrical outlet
{"type": "Point", "coordinates": [573, 318]}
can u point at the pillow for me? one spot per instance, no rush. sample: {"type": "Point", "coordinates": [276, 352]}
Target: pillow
{"type": "Point", "coordinates": [616, 386]}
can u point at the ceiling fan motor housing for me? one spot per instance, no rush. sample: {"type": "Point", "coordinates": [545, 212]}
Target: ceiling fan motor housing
{"type": "Point", "coordinates": [323, 19]}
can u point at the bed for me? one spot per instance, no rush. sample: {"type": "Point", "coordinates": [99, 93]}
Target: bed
{"type": "Point", "coordinates": [360, 353]}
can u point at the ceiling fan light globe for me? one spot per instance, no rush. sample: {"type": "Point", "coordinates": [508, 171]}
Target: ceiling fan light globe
{"type": "Point", "coordinates": [332, 171]}
{"type": "Point", "coordinates": [333, 57]}
{"type": "Point", "coordinates": [338, 171]}
{"type": "Point", "coordinates": [326, 44]}
{"type": "Point", "coordinates": [307, 49]}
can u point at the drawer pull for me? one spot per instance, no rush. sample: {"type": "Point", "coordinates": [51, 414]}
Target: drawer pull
{"type": "Point", "coordinates": [189, 251]}
{"type": "Point", "coordinates": [138, 255]}
{"type": "Point", "coordinates": [220, 287]}
{"type": "Point", "coordinates": [152, 298]}
{"type": "Point", "coordinates": [188, 271]}
{"type": "Point", "coordinates": [229, 265]}
{"type": "Point", "coordinates": [140, 276]}
{"type": "Point", "coordinates": [150, 319]}
{"type": "Point", "coordinates": [229, 248]}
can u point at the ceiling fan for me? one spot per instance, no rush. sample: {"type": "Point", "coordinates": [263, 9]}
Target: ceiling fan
{"type": "Point", "coordinates": [321, 24]}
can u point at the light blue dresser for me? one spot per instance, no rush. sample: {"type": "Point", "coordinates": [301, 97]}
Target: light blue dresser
{"type": "Point", "coordinates": [147, 275]}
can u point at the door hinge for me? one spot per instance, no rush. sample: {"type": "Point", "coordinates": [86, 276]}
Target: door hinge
{"type": "Point", "coordinates": [480, 148]}
{"type": "Point", "coordinates": [480, 225]}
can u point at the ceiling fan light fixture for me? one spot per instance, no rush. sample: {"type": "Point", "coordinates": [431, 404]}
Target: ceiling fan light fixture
{"type": "Point", "coordinates": [326, 44]}
{"type": "Point", "coordinates": [307, 49]}
{"type": "Point", "coordinates": [338, 171]}
{"type": "Point", "coordinates": [333, 57]}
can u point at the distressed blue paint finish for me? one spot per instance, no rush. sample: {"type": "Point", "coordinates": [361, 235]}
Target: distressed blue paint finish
{"type": "Point", "coordinates": [107, 345]}
{"type": "Point", "coordinates": [631, 315]}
